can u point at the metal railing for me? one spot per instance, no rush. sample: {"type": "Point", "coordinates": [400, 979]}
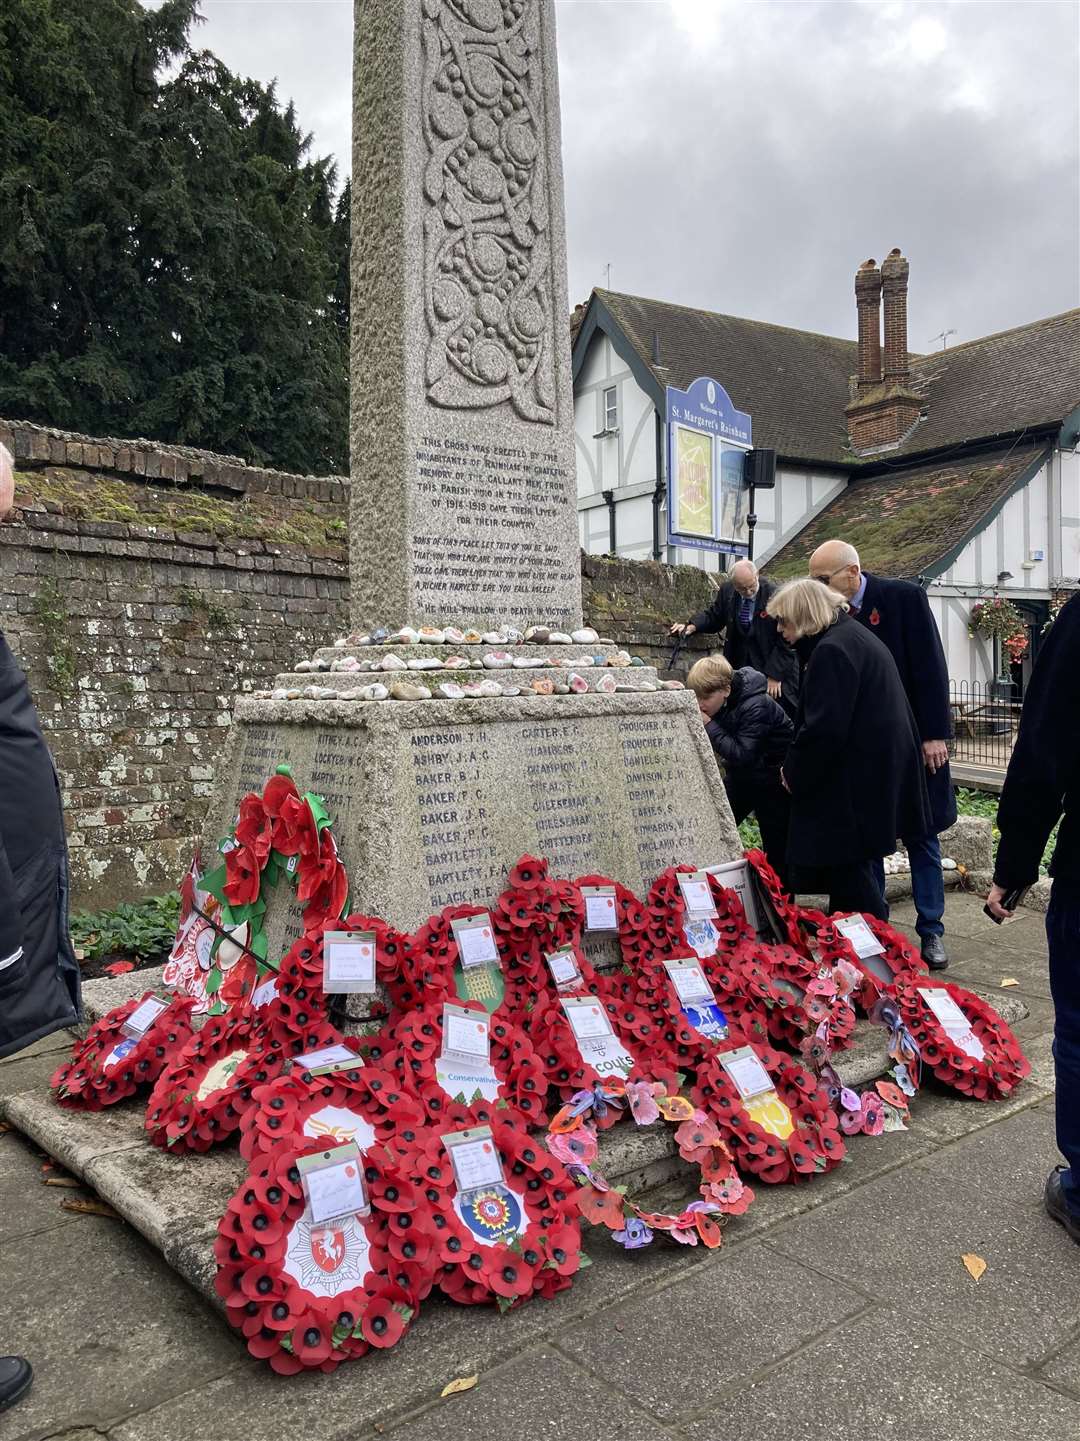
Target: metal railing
{"type": "Point", "coordinates": [985, 717]}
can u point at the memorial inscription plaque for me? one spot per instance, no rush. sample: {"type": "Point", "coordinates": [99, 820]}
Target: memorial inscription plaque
{"type": "Point", "coordinates": [432, 803]}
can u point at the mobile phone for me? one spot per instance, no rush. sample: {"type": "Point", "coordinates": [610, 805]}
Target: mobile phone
{"type": "Point", "coordinates": [1009, 902]}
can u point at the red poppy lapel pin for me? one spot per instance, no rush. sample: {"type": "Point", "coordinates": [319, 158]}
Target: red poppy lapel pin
{"type": "Point", "coordinates": [875, 616]}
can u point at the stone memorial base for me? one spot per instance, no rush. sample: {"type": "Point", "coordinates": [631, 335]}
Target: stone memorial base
{"type": "Point", "coordinates": [433, 801]}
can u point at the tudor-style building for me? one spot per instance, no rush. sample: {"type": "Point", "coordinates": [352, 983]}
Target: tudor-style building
{"type": "Point", "coordinates": [959, 469]}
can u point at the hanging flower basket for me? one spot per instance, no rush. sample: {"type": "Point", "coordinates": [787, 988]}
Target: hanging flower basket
{"type": "Point", "coordinates": [999, 617]}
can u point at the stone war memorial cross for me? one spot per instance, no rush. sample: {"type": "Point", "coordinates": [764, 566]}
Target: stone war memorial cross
{"type": "Point", "coordinates": [463, 516]}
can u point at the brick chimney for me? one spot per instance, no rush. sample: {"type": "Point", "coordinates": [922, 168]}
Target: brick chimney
{"type": "Point", "coordinates": [883, 409]}
{"type": "Point", "coordinates": [868, 301]}
{"type": "Point", "coordinates": [894, 278]}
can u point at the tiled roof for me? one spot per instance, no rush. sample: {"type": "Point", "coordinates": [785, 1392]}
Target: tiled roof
{"type": "Point", "coordinates": [795, 384]}
{"type": "Point", "coordinates": [904, 523]}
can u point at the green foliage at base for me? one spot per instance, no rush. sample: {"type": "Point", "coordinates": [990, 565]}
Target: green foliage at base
{"type": "Point", "coordinates": [138, 929]}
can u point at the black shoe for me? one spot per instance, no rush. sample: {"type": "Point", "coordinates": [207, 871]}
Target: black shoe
{"type": "Point", "coordinates": [1057, 1206]}
{"type": "Point", "coordinates": [15, 1378]}
{"type": "Point", "coordinates": [934, 953]}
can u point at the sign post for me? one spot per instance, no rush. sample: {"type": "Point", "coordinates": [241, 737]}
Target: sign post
{"type": "Point", "coordinates": [707, 444]}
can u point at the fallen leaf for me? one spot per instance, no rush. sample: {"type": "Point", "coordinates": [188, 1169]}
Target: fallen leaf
{"type": "Point", "coordinates": [63, 1181]}
{"type": "Point", "coordinates": [463, 1383]}
{"type": "Point", "coordinates": [5, 1126]}
{"type": "Point", "coordinates": [119, 968]}
{"type": "Point", "coordinates": [1008, 981]}
{"type": "Point", "coordinates": [975, 1265]}
{"type": "Point", "coordinates": [88, 1206]}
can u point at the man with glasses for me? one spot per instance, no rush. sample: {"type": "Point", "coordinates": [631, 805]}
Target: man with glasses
{"type": "Point", "coordinates": [898, 613]}
{"type": "Point", "coordinates": [750, 635]}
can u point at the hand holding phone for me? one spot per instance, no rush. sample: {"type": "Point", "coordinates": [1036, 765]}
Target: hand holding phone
{"type": "Point", "coordinates": [1008, 902]}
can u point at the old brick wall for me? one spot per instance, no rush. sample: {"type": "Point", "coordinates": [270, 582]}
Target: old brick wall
{"type": "Point", "coordinates": [142, 586]}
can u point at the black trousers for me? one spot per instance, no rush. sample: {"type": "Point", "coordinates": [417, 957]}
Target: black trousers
{"type": "Point", "coordinates": [766, 798]}
{"type": "Point", "coordinates": [852, 887]}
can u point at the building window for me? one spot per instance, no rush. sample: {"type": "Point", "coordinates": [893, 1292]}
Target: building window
{"type": "Point", "coordinates": [611, 408]}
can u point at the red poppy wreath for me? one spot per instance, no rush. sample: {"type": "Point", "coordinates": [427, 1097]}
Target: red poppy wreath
{"type": "Point", "coordinates": [221, 948]}
{"type": "Point", "coordinates": [960, 1037]}
{"type": "Point", "coordinates": [461, 1088]}
{"type": "Point", "coordinates": [841, 938]}
{"type": "Point", "coordinates": [506, 1241]}
{"type": "Point", "coordinates": [307, 1297]}
{"type": "Point", "coordinates": [361, 1104]}
{"type": "Point", "coordinates": [587, 1040]}
{"type": "Point", "coordinates": [201, 1096]}
{"type": "Point", "coordinates": [120, 1053]}
{"type": "Point", "coordinates": [775, 1115]}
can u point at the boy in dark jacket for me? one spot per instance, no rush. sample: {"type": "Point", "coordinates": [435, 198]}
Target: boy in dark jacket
{"type": "Point", "coordinates": [750, 733]}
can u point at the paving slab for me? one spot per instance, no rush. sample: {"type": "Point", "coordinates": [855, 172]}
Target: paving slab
{"type": "Point", "coordinates": [878, 1378]}
{"type": "Point", "coordinates": [27, 1205]}
{"type": "Point", "coordinates": [140, 1336]}
{"type": "Point", "coordinates": [903, 1236]}
{"type": "Point", "coordinates": [743, 1309]}
{"type": "Point", "coordinates": [446, 1341]}
{"type": "Point", "coordinates": [1018, 1152]}
{"type": "Point", "coordinates": [1063, 1370]}
{"type": "Point", "coordinates": [542, 1394]}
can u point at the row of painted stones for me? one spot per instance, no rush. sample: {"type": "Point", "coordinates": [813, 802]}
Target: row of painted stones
{"type": "Point", "coordinates": [408, 688]}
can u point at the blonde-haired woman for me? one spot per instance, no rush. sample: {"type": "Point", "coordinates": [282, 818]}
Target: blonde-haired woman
{"type": "Point", "coordinates": [855, 768]}
{"type": "Point", "coordinates": [750, 733]}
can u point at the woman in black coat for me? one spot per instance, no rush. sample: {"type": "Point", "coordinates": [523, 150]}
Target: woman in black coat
{"type": "Point", "coordinates": [855, 768]}
{"type": "Point", "coordinates": [750, 733]}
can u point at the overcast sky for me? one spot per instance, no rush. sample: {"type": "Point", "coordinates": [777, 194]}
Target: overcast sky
{"type": "Point", "coordinates": [745, 156]}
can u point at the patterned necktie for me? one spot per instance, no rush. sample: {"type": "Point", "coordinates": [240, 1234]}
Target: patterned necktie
{"type": "Point", "coordinates": [854, 611]}
{"type": "Point", "coordinates": [746, 610]}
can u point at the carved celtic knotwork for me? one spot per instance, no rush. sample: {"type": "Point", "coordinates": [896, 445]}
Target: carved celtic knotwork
{"type": "Point", "coordinates": [487, 254]}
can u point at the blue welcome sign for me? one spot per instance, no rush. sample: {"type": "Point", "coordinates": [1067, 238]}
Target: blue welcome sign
{"type": "Point", "coordinates": [707, 439]}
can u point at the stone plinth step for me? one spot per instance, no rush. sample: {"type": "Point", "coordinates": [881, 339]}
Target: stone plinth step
{"type": "Point", "coordinates": [633, 678]}
{"type": "Point", "coordinates": [176, 1200]}
{"type": "Point", "coordinates": [406, 648]}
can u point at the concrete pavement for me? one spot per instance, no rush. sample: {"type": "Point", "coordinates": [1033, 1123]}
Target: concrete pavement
{"type": "Point", "coordinates": [839, 1309]}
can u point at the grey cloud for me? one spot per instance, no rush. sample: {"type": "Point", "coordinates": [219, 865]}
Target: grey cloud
{"type": "Point", "coordinates": [745, 157]}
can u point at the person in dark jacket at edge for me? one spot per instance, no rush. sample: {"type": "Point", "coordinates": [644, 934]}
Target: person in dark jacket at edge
{"type": "Point", "coordinates": [750, 634]}
{"type": "Point", "coordinates": [898, 613]}
{"type": "Point", "coordinates": [39, 976]}
{"type": "Point", "coordinates": [1042, 784]}
{"type": "Point", "coordinates": [750, 733]}
{"type": "Point", "coordinates": [855, 768]}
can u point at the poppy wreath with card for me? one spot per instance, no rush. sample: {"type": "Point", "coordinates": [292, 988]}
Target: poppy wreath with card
{"type": "Point", "coordinates": [302, 1001]}
{"type": "Point", "coordinates": [435, 960]}
{"type": "Point", "coordinates": [522, 1084]}
{"type": "Point", "coordinates": [631, 939]}
{"type": "Point", "coordinates": [534, 916]}
{"type": "Point", "coordinates": [106, 1066]}
{"type": "Point", "coordinates": [505, 1244]}
{"type": "Point", "coordinates": [797, 997]}
{"type": "Point", "coordinates": [878, 972]}
{"type": "Point", "coordinates": [221, 950]}
{"type": "Point", "coordinates": [787, 912]}
{"type": "Point", "coordinates": [200, 1098]}
{"type": "Point", "coordinates": [572, 1139]}
{"type": "Point", "coordinates": [361, 1104]}
{"type": "Point", "coordinates": [641, 1036]}
{"type": "Point", "coordinates": [775, 1146]}
{"type": "Point", "coordinates": [990, 1077]}
{"type": "Point", "coordinates": [309, 1297]}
